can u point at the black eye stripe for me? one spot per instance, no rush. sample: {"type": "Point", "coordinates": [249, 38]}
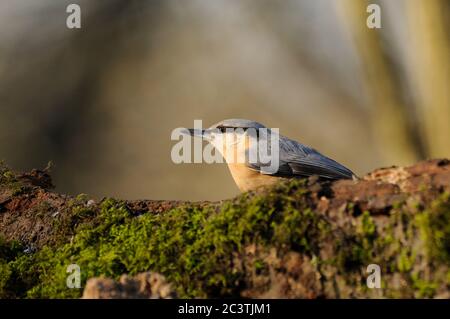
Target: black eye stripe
{"type": "Point", "coordinates": [223, 129]}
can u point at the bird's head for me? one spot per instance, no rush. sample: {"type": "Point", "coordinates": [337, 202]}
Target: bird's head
{"type": "Point", "coordinates": [228, 133]}
{"type": "Point", "coordinates": [238, 127]}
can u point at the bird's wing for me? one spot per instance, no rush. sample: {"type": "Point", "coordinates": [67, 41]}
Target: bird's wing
{"type": "Point", "coordinates": [297, 160]}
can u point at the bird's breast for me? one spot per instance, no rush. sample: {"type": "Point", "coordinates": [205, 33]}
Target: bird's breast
{"type": "Point", "coordinates": [247, 179]}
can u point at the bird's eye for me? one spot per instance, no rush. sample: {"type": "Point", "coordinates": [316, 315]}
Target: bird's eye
{"type": "Point", "coordinates": [222, 129]}
{"type": "Point", "coordinates": [252, 131]}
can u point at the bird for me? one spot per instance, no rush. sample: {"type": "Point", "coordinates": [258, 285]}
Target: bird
{"type": "Point", "coordinates": [296, 160]}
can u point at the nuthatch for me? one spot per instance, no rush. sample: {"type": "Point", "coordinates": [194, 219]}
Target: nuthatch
{"type": "Point", "coordinates": [295, 160]}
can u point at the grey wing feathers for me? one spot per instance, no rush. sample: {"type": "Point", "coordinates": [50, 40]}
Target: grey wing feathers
{"type": "Point", "coordinates": [302, 161]}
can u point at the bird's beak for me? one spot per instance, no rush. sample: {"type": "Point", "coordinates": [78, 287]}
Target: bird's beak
{"type": "Point", "coordinates": [194, 132]}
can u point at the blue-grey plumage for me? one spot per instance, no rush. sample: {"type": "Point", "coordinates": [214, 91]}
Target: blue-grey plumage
{"type": "Point", "coordinates": [300, 160]}
{"type": "Point", "coordinates": [295, 159]}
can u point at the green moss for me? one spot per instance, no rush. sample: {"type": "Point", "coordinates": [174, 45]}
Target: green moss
{"type": "Point", "coordinates": [367, 225]}
{"type": "Point", "coordinates": [435, 228]}
{"type": "Point", "coordinates": [259, 265]}
{"type": "Point", "coordinates": [196, 247]}
{"type": "Point", "coordinates": [192, 246]}
{"type": "Point", "coordinates": [424, 288]}
{"type": "Point", "coordinates": [9, 251]}
{"type": "Point", "coordinates": [10, 181]}
{"type": "Point", "coordinates": [81, 198]}
{"type": "Point", "coordinates": [405, 261]}
{"type": "Point", "coordinates": [5, 274]}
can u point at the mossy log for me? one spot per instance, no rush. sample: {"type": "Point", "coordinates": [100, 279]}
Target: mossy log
{"type": "Point", "coordinates": [299, 239]}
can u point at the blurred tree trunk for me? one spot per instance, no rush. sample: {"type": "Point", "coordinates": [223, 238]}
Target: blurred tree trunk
{"type": "Point", "coordinates": [391, 128]}
{"type": "Point", "coordinates": [431, 68]}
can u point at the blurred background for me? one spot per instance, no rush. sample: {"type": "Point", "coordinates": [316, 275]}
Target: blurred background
{"type": "Point", "coordinates": [100, 102]}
